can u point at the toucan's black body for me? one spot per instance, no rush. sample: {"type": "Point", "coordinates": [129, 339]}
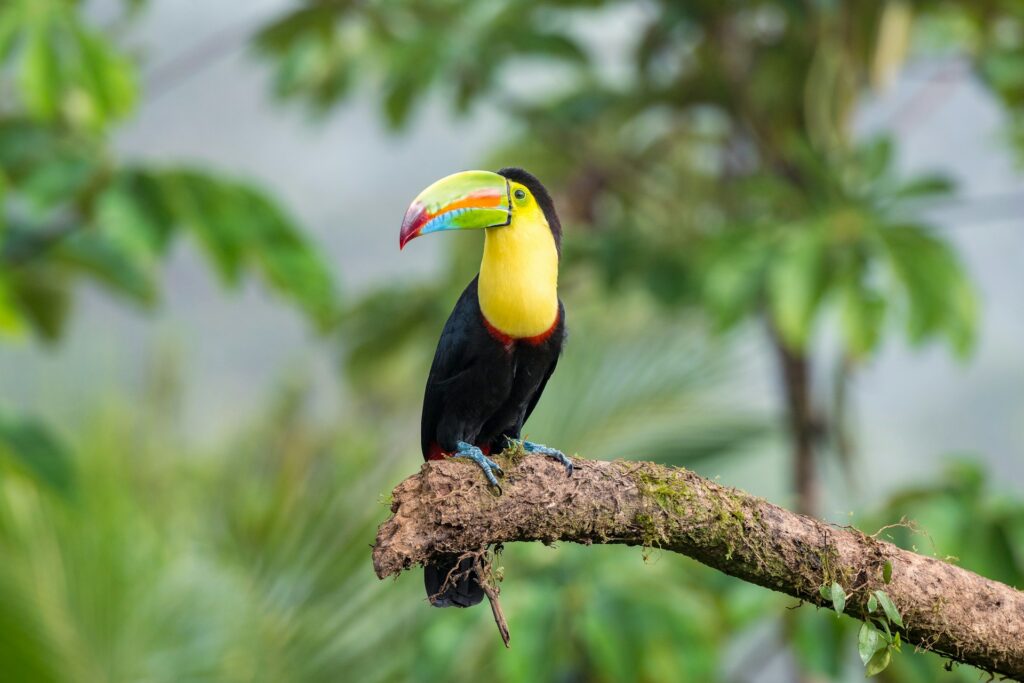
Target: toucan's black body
{"type": "Point", "coordinates": [481, 389]}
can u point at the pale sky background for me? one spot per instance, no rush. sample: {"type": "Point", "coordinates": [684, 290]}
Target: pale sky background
{"type": "Point", "coordinates": [349, 181]}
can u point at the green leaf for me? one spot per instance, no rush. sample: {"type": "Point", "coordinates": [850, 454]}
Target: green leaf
{"type": "Point", "coordinates": [878, 663]}
{"type": "Point", "coordinates": [241, 228]}
{"type": "Point", "coordinates": [42, 298]}
{"type": "Point", "coordinates": [212, 213]}
{"type": "Point", "coordinates": [312, 61]}
{"type": "Point", "coordinates": [10, 27]}
{"type": "Point", "coordinates": [125, 217]}
{"type": "Point", "coordinates": [413, 66]}
{"type": "Point", "coordinates": [139, 203]}
{"type": "Point", "coordinates": [11, 322]}
{"type": "Point", "coordinates": [399, 99]}
{"type": "Point", "coordinates": [862, 313]}
{"type": "Point", "coordinates": [291, 265]}
{"type": "Point", "coordinates": [3, 207]}
{"type": "Point", "coordinates": [940, 299]}
{"type": "Point", "coordinates": [885, 633]}
{"type": "Point", "coordinates": [110, 263]}
{"type": "Point", "coordinates": [54, 180]}
{"type": "Point", "coordinates": [39, 77]}
{"type": "Point", "coordinates": [867, 642]}
{"type": "Point", "coordinates": [872, 604]}
{"type": "Point", "coordinates": [69, 72]}
{"type": "Point", "coordinates": [838, 597]}
{"type": "Point", "coordinates": [554, 45]}
{"type": "Point", "coordinates": [297, 27]}
{"type": "Point", "coordinates": [890, 608]}
{"type": "Point", "coordinates": [733, 276]}
{"type": "Point", "coordinates": [796, 282]}
{"type": "Point", "coordinates": [925, 187]}
{"type": "Point", "coordinates": [826, 592]}
{"type": "Point", "coordinates": [887, 571]}
{"type": "Point", "coordinates": [1004, 70]}
{"type": "Point", "coordinates": [876, 156]}
{"type": "Point", "coordinates": [107, 77]}
{"type": "Point", "coordinates": [41, 454]}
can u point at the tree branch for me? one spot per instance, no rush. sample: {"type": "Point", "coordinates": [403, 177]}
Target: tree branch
{"type": "Point", "coordinates": [446, 508]}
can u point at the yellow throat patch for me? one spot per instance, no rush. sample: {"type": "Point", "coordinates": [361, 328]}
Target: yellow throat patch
{"type": "Point", "coordinates": [518, 285]}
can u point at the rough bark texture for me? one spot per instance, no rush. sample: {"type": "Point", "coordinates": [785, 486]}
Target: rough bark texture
{"type": "Point", "coordinates": [447, 508]}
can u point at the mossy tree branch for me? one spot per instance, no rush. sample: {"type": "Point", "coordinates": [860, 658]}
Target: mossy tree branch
{"type": "Point", "coordinates": [446, 508]}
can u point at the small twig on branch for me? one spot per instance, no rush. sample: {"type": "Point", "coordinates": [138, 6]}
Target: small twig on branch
{"type": "Point", "coordinates": [447, 509]}
{"type": "Point", "coordinates": [491, 591]}
{"type": "Point", "coordinates": [482, 568]}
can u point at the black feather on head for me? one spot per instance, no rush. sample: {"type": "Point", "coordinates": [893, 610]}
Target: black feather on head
{"type": "Point", "coordinates": [540, 193]}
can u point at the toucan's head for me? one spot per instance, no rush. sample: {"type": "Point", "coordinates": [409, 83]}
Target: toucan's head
{"type": "Point", "coordinates": [480, 199]}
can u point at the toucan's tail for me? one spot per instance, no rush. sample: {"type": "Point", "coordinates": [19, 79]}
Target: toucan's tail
{"type": "Point", "coordinates": [462, 589]}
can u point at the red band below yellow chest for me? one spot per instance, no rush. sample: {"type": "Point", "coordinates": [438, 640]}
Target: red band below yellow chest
{"type": "Point", "coordinates": [509, 341]}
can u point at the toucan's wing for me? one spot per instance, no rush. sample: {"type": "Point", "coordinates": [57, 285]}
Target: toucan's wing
{"type": "Point", "coordinates": [558, 338]}
{"type": "Point", "coordinates": [540, 390]}
{"type": "Point", "coordinates": [453, 357]}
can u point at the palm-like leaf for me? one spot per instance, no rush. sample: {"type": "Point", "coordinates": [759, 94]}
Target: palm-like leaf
{"type": "Point", "coordinates": [242, 568]}
{"type": "Point", "coordinates": [640, 387]}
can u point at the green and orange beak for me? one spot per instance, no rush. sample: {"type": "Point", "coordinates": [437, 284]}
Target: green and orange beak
{"type": "Point", "coordinates": [462, 201]}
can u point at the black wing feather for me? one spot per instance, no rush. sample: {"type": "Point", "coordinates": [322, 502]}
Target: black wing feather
{"type": "Point", "coordinates": [452, 358]}
{"type": "Point", "coordinates": [540, 390]}
{"type": "Point", "coordinates": [557, 348]}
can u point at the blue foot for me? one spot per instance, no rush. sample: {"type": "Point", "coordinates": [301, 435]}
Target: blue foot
{"type": "Point", "coordinates": [558, 455]}
{"type": "Point", "coordinates": [468, 450]}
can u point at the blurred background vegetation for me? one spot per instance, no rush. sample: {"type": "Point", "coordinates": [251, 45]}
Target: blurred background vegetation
{"type": "Point", "coordinates": [790, 250]}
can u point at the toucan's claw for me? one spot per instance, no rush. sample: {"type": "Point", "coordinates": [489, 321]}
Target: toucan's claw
{"type": "Point", "coordinates": [490, 468]}
{"type": "Point", "coordinates": [558, 455]}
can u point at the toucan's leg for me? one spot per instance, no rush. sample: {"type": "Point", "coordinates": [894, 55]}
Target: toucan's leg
{"type": "Point", "coordinates": [558, 455]}
{"type": "Point", "coordinates": [468, 450]}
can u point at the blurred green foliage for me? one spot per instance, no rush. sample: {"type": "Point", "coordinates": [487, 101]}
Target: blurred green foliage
{"type": "Point", "coordinates": [709, 178]}
{"type": "Point", "coordinates": [715, 163]}
{"type": "Point", "coordinates": [34, 451]}
{"type": "Point", "coordinates": [710, 163]}
{"type": "Point", "coordinates": [72, 211]}
{"type": "Point", "coordinates": [706, 158]}
{"type": "Point", "coordinates": [249, 562]}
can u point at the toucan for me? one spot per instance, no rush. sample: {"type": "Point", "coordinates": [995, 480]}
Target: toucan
{"type": "Point", "coordinates": [501, 342]}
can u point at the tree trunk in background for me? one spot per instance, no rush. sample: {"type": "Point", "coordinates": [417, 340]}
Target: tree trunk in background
{"type": "Point", "coordinates": [795, 368]}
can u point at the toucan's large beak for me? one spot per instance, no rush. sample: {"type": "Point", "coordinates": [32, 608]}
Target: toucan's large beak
{"type": "Point", "coordinates": [471, 199]}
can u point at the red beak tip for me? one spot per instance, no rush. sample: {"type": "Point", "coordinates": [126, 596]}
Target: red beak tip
{"type": "Point", "coordinates": [414, 219]}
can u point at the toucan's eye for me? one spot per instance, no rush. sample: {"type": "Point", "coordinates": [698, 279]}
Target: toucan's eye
{"type": "Point", "coordinates": [520, 195]}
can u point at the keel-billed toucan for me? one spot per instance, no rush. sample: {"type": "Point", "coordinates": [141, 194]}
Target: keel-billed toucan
{"type": "Point", "coordinates": [502, 340]}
